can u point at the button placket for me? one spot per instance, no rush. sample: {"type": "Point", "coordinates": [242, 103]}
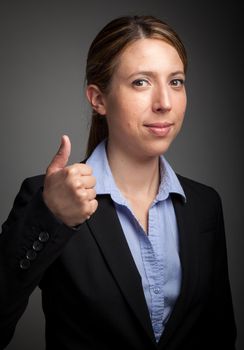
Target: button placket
{"type": "Point", "coordinates": [156, 290]}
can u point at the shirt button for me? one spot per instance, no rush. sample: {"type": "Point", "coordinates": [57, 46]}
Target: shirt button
{"type": "Point", "coordinates": [31, 254]}
{"type": "Point", "coordinates": [43, 236]}
{"type": "Point", "coordinates": [156, 290]}
{"type": "Point", "coordinates": [24, 264]}
{"type": "Point", "coordinates": [37, 246]}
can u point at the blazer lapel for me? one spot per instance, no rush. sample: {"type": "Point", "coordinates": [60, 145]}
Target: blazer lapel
{"type": "Point", "coordinates": [106, 229]}
{"type": "Point", "coordinates": [187, 226]}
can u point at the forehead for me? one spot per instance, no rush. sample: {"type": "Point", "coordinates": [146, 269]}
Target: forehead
{"type": "Point", "coordinates": [149, 54]}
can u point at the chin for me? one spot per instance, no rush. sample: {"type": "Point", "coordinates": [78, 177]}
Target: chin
{"type": "Point", "coordinates": [155, 153]}
{"type": "Point", "coordinates": [159, 149]}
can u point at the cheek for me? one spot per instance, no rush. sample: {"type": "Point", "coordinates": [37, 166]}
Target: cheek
{"type": "Point", "coordinates": [183, 103]}
{"type": "Point", "coordinates": [180, 106]}
{"type": "Point", "coordinates": [125, 111]}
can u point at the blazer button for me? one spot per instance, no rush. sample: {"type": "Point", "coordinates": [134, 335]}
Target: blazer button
{"type": "Point", "coordinates": [37, 246]}
{"type": "Point", "coordinates": [43, 236]}
{"type": "Point", "coordinates": [31, 254]}
{"type": "Point", "coordinates": [24, 264]}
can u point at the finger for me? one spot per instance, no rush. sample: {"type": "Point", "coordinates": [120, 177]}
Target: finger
{"type": "Point", "coordinates": [75, 182]}
{"type": "Point", "coordinates": [94, 205]}
{"type": "Point", "coordinates": [84, 198]}
{"type": "Point", "coordinates": [91, 208]}
{"type": "Point", "coordinates": [78, 169]}
{"type": "Point", "coordinates": [87, 194]}
{"type": "Point", "coordinates": [85, 169]}
{"type": "Point", "coordinates": [61, 158]}
{"type": "Point", "coordinates": [87, 182]}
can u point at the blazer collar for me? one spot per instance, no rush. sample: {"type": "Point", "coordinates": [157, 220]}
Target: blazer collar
{"type": "Point", "coordinates": [106, 229]}
{"type": "Point", "coordinates": [188, 227]}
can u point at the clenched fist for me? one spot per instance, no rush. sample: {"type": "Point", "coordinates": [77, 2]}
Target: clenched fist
{"type": "Point", "coordinates": [69, 190]}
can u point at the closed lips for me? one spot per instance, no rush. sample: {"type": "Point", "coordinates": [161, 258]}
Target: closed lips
{"type": "Point", "coordinates": [159, 125]}
{"type": "Point", "coordinates": [159, 129]}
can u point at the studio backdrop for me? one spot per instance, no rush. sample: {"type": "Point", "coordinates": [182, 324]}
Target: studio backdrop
{"type": "Point", "coordinates": [43, 48]}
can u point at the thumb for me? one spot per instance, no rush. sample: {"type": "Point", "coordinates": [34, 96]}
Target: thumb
{"type": "Point", "coordinates": [61, 158]}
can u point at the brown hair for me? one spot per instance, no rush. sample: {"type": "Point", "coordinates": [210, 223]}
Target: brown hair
{"type": "Point", "coordinates": [105, 50]}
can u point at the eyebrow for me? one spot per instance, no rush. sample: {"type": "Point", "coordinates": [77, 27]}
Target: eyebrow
{"type": "Point", "coordinates": [150, 73]}
{"type": "Point", "coordinates": [177, 73]}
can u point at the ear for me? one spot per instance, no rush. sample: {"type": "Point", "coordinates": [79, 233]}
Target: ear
{"type": "Point", "coordinates": [96, 99]}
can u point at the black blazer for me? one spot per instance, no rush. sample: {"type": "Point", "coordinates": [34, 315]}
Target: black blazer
{"type": "Point", "coordinates": [91, 289]}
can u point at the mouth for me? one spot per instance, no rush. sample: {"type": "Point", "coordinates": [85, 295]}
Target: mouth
{"type": "Point", "coordinates": [159, 129]}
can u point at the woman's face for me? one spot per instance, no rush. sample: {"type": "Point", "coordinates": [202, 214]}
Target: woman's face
{"type": "Point", "coordinates": [146, 101]}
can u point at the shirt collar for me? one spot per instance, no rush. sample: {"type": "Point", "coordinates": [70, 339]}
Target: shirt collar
{"type": "Point", "coordinates": [169, 181]}
{"type": "Point", "coordinates": [105, 183]}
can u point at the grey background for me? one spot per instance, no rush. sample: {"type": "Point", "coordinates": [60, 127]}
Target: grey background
{"type": "Point", "coordinates": [43, 48]}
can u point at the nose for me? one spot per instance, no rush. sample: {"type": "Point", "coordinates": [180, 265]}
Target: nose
{"type": "Point", "coordinates": [162, 100]}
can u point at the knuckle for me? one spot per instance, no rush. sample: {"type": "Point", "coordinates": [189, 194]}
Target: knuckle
{"type": "Point", "coordinates": [67, 172]}
{"type": "Point", "coordinates": [93, 180]}
{"type": "Point", "coordinates": [82, 197]}
{"type": "Point", "coordinates": [71, 184]}
{"type": "Point", "coordinates": [94, 205]}
{"type": "Point", "coordinates": [86, 169]}
{"type": "Point", "coordinates": [93, 193]}
{"type": "Point", "coordinates": [74, 183]}
{"type": "Point", "coordinates": [87, 210]}
{"type": "Point", "coordinates": [90, 209]}
{"type": "Point", "coordinates": [78, 183]}
{"type": "Point", "coordinates": [72, 170]}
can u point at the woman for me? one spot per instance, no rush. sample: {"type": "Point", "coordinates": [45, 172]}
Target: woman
{"type": "Point", "coordinates": [128, 254]}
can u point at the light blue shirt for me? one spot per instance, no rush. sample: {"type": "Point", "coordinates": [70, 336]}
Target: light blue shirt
{"type": "Point", "coordinates": [156, 254]}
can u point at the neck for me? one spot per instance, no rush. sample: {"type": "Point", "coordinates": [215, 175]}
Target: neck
{"type": "Point", "coordinates": [135, 177]}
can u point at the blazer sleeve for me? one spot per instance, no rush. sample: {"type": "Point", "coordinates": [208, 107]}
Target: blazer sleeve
{"type": "Point", "coordinates": [31, 239]}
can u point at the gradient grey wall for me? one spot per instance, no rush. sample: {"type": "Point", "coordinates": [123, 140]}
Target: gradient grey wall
{"type": "Point", "coordinates": [43, 46]}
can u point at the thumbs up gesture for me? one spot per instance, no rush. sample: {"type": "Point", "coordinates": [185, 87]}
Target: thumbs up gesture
{"type": "Point", "coordinates": [69, 190]}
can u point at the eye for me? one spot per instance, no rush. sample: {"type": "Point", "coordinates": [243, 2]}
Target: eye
{"type": "Point", "coordinates": [140, 82]}
{"type": "Point", "coordinates": [177, 82]}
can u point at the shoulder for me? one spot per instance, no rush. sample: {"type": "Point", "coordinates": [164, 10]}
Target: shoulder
{"type": "Point", "coordinates": [30, 190]}
{"type": "Point", "coordinates": [35, 180]}
{"type": "Point", "coordinates": [199, 193]}
{"type": "Point", "coordinates": [33, 183]}
{"type": "Point", "coordinates": [196, 188]}
{"type": "Point", "coordinates": [29, 187]}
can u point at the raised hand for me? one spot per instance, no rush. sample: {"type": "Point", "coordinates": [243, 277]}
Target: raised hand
{"type": "Point", "coordinates": [69, 190]}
